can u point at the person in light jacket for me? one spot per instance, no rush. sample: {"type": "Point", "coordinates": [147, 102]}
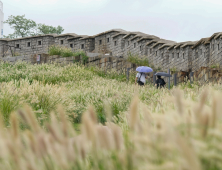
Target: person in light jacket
{"type": "Point", "coordinates": [140, 79]}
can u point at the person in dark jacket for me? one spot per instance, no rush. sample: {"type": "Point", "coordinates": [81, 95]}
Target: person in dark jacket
{"type": "Point", "coordinates": [160, 82]}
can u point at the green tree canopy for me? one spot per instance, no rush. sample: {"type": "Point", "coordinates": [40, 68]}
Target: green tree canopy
{"type": "Point", "coordinates": [24, 27]}
{"type": "Point", "coordinates": [45, 29]}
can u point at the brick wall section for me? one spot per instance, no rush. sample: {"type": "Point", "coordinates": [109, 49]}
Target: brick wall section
{"type": "Point", "coordinates": [134, 46]}
{"type": "Point", "coordinates": [128, 44]}
{"type": "Point", "coordinates": [201, 54]}
{"type": "Point", "coordinates": [81, 43]}
{"type": "Point", "coordinates": [62, 40]}
{"type": "Point", "coordinates": [104, 42]}
{"type": "Point", "coordinates": [142, 46]}
{"type": "Point", "coordinates": [118, 46]}
{"type": "Point", "coordinates": [215, 51]}
{"type": "Point", "coordinates": [200, 57]}
{"type": "Point", "coordinates": [164, 58]}
{"type": "Point", "coordinates": [74, 43]}
{"type": "Point", "coordinates": [150, 51]}
{"type": "Point", "coordinates": [28, 46]}
{"type": "Point", "coordinates": [3, 47]}
{"type": "Point", "coordinates": [88, 44]}
{"type": "Point", "coordinates": [38, 45]}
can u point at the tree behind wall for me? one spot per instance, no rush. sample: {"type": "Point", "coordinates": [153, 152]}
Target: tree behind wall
{"type": "Point", "coordinates": [45, 29]}
{"type": "Point", "coordinates": [24, 27]}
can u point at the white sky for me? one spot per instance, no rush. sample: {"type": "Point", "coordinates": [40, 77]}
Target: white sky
{"type": "Point", "coordinates": [178, 20]}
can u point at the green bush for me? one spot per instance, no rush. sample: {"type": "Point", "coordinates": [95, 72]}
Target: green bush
{"type": "Point", "coordinates": [136, 60]}
{"type": "Point", "coordinates": [67, 52]}
{"type": "Point", "coordinates": [55, 50]}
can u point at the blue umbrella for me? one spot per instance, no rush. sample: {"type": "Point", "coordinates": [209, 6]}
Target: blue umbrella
{"type": "Point", "coordinates": [144, 69]}
{"type": "Point", "coordinates": [163, 74]}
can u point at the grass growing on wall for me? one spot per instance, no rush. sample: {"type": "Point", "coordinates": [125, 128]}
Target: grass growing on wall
{"type": "Point", "coordinates": [67, 52]}
{"type": "Point", "coordinates": [217, 66]}
{"type": "Point", "coordinates": [135, 59]}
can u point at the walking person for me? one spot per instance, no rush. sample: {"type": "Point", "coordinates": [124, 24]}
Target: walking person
{"type": "Point", "coordinates": [160, 82]}
{"type": "Point", "coordinates": [140, 79]}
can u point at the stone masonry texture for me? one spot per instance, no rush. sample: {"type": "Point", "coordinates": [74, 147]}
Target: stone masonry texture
{"type": "Point", "coordinates": [165, 54]}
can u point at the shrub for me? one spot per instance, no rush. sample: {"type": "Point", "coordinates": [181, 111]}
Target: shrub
{"type": "Point", "coordinates": [67, 52]}
{"type": "Point", "coordinates": [55, 50]}
{"type": "Point", "coordinates": [135, 59]}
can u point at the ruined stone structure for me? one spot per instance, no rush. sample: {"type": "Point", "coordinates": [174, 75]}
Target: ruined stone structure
{"type": "Point", "coordinates": [184, 56]}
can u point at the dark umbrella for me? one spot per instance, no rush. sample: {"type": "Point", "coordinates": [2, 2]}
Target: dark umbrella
{"type": "Point", "coordinates": [163, 74]}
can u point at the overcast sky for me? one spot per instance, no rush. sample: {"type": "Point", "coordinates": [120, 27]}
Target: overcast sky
{"type": "Point", "coordinates": [178, 20]}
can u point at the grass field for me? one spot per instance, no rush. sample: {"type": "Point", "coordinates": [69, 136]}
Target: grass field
{"type": "Point", "coordinates": [71, 117]}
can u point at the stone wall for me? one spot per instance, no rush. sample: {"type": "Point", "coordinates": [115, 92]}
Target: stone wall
{"type": "Point", "coordinates": [128, 44]}
{"type": "Point", "coordinates": [118, 45]}
{"type": "Point", "coordinates": [184, 56]}
{"type": "Point", "coordinates": [106, 63]}
{"type": "Point", "coordinates": [215, 51]}
{"type": "Point", "coordinates": [86, 44]}
{"type": "Point", "coordinates": [27, 46]}
{"type": "Point", "coordinates": [104, 42]}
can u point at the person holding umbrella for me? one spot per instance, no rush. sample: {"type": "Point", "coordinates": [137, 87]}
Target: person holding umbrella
{"type": "Point", "coordinates": [160, 82]}
{"type": "Point", "coordinates": [141, 76]}
{"type": "Point", "coordinates": [140, 79]}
